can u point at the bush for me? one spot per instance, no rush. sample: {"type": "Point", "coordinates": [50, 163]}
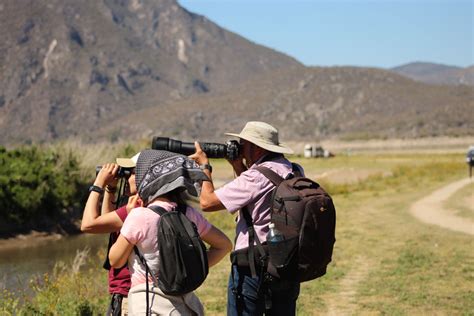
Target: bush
{"type": "Point", "coordinates": [38, 187]}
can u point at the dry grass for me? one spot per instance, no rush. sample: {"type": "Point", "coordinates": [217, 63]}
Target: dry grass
{"type": "Point", "coordinates": [385, 261]}
{"type": "Point", "coordinates": [462, 202]}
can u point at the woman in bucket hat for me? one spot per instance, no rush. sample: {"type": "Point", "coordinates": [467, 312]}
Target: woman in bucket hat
{"type": "Point", "coordinates": [251, 190]}
{"type": "Point", "coordinates": [161, 178]}
{"type": "Point", "coordinates": [109, 219]}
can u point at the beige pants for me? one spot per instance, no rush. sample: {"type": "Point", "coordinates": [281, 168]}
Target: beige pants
{"type": "Point", "coordinates": [162, 304]}
{"type": "Point", "coordinates": [124, 306]}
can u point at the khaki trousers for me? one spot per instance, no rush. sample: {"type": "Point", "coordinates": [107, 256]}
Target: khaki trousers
{"type": "Point", "coordinates": [125, 306]}
{"type": "Point", "coordinates": [162, 304]}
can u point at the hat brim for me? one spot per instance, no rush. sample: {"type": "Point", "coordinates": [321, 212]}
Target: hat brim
{"type": "Point", "coordinates": [126, 162]}
{"type": "Point", "coordinates": [280, 148]}
{"type": "Point", "coordinates": [179, 183]}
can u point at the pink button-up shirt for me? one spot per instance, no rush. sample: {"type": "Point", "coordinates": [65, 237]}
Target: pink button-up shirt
{"type": "Point", "coordinates": [253, 189]}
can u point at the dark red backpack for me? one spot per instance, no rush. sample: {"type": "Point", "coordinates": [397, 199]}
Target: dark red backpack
{"type": "Point", "coordinates": [305, 214]}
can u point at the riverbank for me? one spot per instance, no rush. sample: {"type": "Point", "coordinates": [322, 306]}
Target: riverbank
{"type": "Point", "coordinates": [31, 239]}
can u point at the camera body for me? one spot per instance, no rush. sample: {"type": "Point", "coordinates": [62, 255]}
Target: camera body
{"type": "Point", "coordinates": [122, 172]}
{"type": "Point", "coordinates": [229, 150]}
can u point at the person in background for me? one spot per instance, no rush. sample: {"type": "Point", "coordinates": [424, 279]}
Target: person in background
{"type": "Point", "coordinates": [161, 179]}
{"type": "Point", "coordinates": [248, 294]}
{"type": "Point", "coordinates": [109, 219]}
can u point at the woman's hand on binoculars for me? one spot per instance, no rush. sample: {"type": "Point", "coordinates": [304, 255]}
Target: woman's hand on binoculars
{"type": "Point", "coordinates": [199, 156]}
{"type": "Point", "coordinates": [107, 175]}
{"type": "Point", "coordinates": [133, 202]}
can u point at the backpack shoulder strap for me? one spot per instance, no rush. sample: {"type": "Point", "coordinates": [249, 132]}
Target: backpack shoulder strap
{"type": "Point", "coordinates": [181, 208]}
{"type": "Point", "coordinates": [252, 237]}
{"type": "Point", "coordinates": [157, 209]}
{"type": "Point", "coordinates": [270, 175]}
{"type": "Point", "coordinates": [161, 211]}
{"type": "Point", "coordinates": [147, 271]}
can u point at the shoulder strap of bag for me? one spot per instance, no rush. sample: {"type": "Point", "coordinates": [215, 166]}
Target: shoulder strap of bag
{"type": "Point", "coordinates": [252, 237]}
{"type": "Point", "coordinates": [147, 271]}
{"type": "Point", "coordinates": [160, 211]}
{"type": "Point", "coordinates": [270, 175]}
{"type": "Point", "coordinates": [157, 209]}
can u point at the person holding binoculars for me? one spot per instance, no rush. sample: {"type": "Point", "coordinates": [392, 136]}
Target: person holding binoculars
{"type": "Point", "coordinates": [109, 219]}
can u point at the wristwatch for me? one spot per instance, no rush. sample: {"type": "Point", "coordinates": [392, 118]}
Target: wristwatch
{"type": "Point", "coordinates": [96, 188]}
{"type": "Point", "coordinates": [206, 166]}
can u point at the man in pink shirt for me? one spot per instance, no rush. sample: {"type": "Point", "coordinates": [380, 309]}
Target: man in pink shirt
{"type": "Point", "coordinates": [250, 191]}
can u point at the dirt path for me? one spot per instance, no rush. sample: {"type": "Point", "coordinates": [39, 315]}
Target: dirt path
{"type": "Point", "coordinates": [430, 209]}
{"type": "Point", "coordinates": [344, 301]}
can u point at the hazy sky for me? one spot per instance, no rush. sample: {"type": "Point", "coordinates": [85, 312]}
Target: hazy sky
{"type": "Point", "coordinates": [353, 32]}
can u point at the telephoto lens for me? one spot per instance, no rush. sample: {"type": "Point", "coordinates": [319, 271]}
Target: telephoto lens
{"type": "Point", "coordinates": [176, 146]}
{"type": "Point", "coordinates": [230, 150]}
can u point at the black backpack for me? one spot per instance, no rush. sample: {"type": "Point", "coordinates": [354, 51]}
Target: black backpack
{"type": "Point", "coordinates": [183, 265]}
{"type": "Point", "coordinates": [305, 215]}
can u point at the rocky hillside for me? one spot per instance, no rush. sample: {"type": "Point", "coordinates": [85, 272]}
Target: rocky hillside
{"type": "Point", "coordinates": [68, 67]}
{"type": "Point", "coordinates": [127, 69]}
{"type": "Point", "coordinates": [437, 73]}
{"type": "Point", "coordinates": [314, 104]}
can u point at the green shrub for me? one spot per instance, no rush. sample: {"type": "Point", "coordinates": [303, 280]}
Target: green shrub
{"type": "Point", "coordinates": [38, 187]}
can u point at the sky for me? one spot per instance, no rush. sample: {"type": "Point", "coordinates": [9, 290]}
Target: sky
{"type": "Point", "coordinates": [373, 33]}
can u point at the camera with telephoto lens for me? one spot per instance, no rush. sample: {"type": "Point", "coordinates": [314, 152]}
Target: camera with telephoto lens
{"type": "Point", "coordinates": [229, 150]}
{"type": "Point", "coordinates": [122, 172]}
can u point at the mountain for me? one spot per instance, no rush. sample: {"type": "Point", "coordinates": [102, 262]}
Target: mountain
{"type": "Point", "coordinates": [128, 69]}
{"type": "Point", "coordinates": [68, 67]}
{"type": "Point", "coordinates": [312, 104]}
{"type": "Point", "coordinates": [437, 73]}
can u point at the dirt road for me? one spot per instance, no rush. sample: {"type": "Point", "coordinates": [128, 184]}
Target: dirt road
{"type": "Point", "coordinates": [430, 209]}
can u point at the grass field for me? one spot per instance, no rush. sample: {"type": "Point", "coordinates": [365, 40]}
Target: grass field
{"type": "Point", "coordinates": [462, 203]}
{"type": "Point", "coordinates": [385, 261]}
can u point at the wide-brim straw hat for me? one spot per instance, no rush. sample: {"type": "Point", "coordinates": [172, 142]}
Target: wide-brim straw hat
{"type": "Point", "coordinates": [263, 135]}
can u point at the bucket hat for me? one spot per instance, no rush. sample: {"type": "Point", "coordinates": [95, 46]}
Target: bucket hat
{"type": "Point", "coordinates": [263, 135]}
{"type": "Point", "coordinates": [128, 162]}
{"type": "Point", "coordinates": [159, 172]}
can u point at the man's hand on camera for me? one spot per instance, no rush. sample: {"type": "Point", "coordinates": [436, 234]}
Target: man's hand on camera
{"type": "Point", "coordinates": [238, 165]}
{"type": "Point", "coordinates": [107, 175]}
{"type": "Point", "coordinates": [199, 156]}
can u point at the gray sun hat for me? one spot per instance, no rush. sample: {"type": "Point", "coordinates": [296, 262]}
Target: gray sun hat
{"type": "Point", "coordinates": [159, 172]}
{"type": "Point", "coordinates": [263, 135]}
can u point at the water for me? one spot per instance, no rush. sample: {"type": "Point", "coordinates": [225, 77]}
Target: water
{"type": "Point", "coordinates": [18, 266]}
